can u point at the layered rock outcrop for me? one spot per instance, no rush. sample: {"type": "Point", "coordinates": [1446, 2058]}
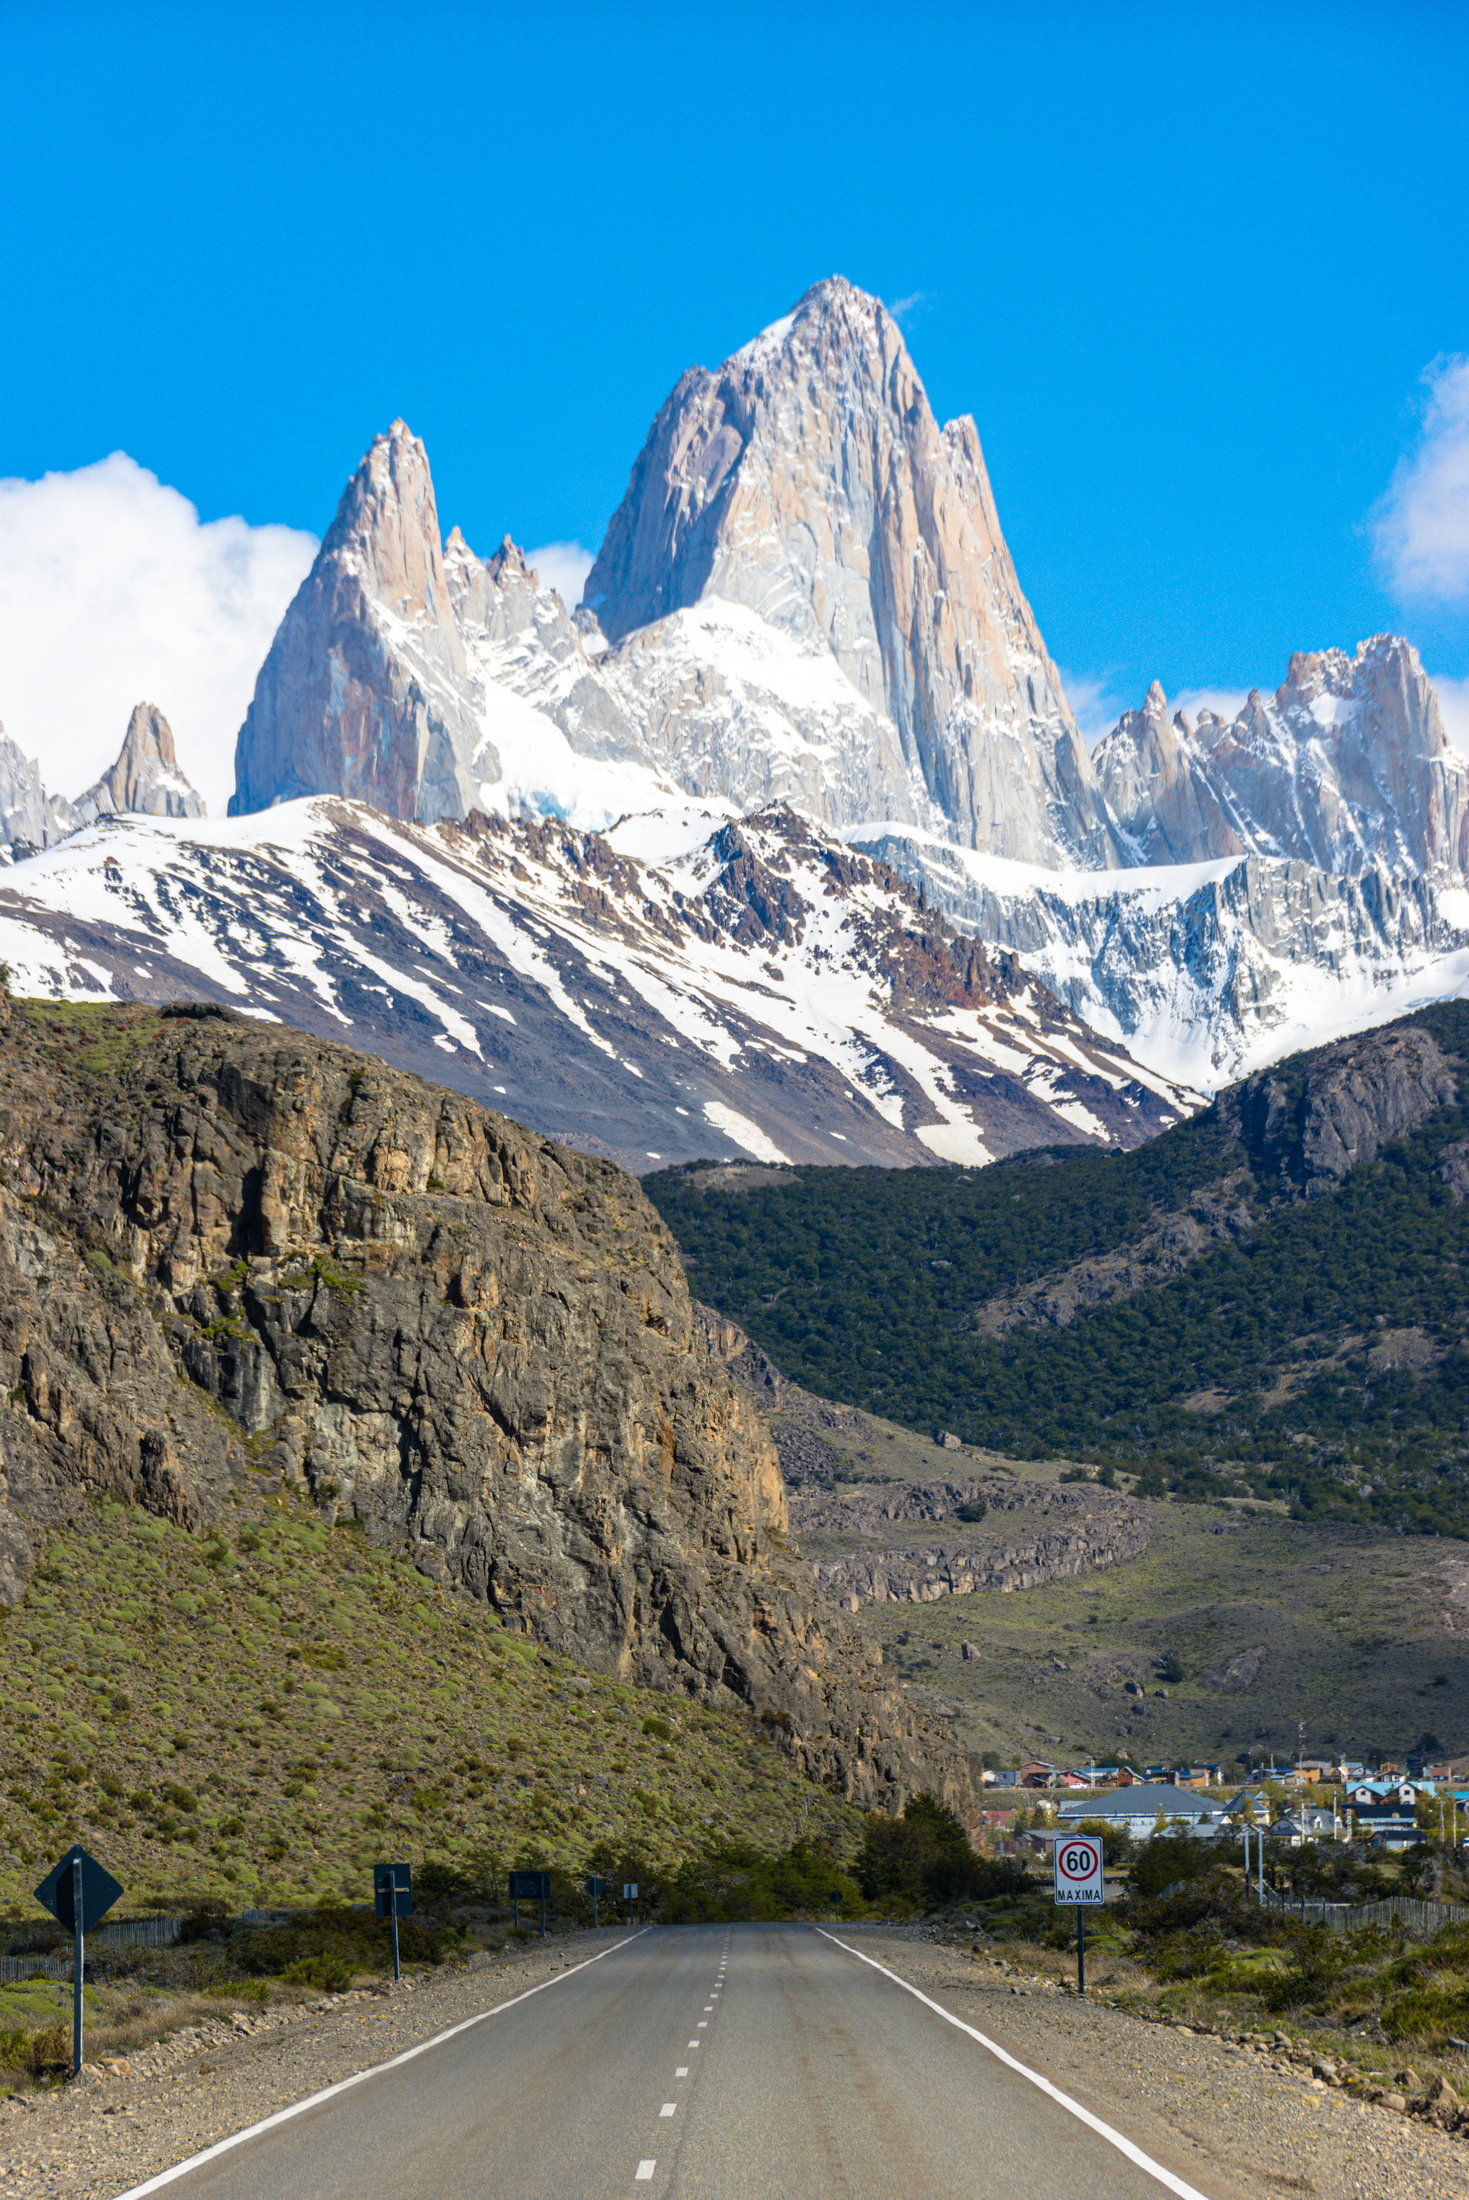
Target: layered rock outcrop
{"type": "Point", "coordinates": [227, 1252]}
{"type": "Point", "coordinates": [1062, 1530]}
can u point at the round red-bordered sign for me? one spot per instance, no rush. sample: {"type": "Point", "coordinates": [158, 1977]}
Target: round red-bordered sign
{"type": "Point", "coordinates": [1078, 1859]}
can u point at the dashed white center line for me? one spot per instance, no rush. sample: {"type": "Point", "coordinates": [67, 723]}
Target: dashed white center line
{"type": "Point", "coordinates": [668, 2108]}
{"type": "Point", "coordinates": [701, 2026]}
{"type": "Point", "coordinates": [682, 2071]}
{"type": "Point", "coordinates": [645, 2170]}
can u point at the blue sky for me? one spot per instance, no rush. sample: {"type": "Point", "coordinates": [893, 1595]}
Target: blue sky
{"type": "Point", "coordinates": [1187, 267]}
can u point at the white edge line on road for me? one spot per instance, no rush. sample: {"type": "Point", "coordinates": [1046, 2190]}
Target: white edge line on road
{"type": "Point", "coordinates": [1073, 2108]}
{"type": "Point", "coordinates": [343, 2085]}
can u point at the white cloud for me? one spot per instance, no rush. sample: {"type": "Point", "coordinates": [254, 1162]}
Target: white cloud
{"type": "Point", "coordinates": [900, 308]}
{"type": "Point", "coordinates": [1094, 705]}
{"type": "Point", "coordinates": [563, 566]}
{"type": "Point", "coordinates": [1422, 524]}
{"type": "Point", "coordinates": [1226, 703]}
{"type": "Point", "coordinates": [113, 591]}
{"type": "Point", "coordinates": [1453, 705]}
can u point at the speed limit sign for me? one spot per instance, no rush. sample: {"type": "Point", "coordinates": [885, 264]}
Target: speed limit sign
{"type": "Point", "coordinates": [1079, 1869]}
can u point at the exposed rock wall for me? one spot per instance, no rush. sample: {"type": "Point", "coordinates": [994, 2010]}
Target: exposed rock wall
{"type": "Point", "coordinates": [941, 1570]}
{"type": "Point", "coordinates": [227, 1250]}
{"type": "Point", "coordinates": [1065, 1529]}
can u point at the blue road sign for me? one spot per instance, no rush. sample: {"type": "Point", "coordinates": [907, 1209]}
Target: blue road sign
{"type": "Point", "coordinates": [389, 1880]}
{"type": "Point", "coordinates": [99, 1890]}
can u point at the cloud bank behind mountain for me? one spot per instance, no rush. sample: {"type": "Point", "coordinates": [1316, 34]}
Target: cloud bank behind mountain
{"type": "Point", "coordinates": [113, 591]}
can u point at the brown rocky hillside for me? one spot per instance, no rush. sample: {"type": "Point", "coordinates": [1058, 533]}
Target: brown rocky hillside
{"type": "Point", "coordinates": [232, 1255]}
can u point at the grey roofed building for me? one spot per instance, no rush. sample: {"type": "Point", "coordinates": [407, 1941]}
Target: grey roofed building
{"type": "Point", "coordinates": [1136, 1808]}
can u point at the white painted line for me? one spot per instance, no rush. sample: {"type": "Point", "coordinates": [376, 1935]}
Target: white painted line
{"type": "Point", "coordinates": [668, 2108]}
{"type": "Point", "coordinates": [693, 2043]}
{"type": "Point", "coordinates": [344, 2085]}
{"type": "Point", "coordinates": [682, 2071]}
{"type": "Point", "coordinates": [645, 2170]}
{"type": "Point", "coordinates": [700, 2027]}
{"type": "Point", "coordinates": [1134, 2154]}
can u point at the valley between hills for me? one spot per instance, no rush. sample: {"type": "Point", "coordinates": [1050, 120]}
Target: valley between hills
{"type": "Point", "coordinates": [1232, 1628]}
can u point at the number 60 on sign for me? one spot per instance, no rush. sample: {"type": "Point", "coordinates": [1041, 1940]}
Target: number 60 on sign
{"type": "Point", "coordinates": [1078, 1868]}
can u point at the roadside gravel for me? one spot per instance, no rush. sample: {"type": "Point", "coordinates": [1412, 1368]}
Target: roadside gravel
{"type": "Point", "coordinates": [1237, 2124]}
{"type": "Point", "coordinates": [120, 2123]}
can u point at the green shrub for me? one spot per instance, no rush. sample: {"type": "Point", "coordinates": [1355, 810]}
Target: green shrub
{"type": "Point", "coordinates": [40, 2053]}
{"type": "Point", "coordinates": [924, 1858]}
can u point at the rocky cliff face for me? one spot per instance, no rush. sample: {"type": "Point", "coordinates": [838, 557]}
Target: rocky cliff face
{"type": "Point", "coordinates": [1029, 1535]}
{"type": "Point", "coordinates": [29, 817]}
{"type": "Point", "coordinates": [145, 779]}
{"type": "Point", "coordinates": [808, 481]}
{"type": "Point", "coordinates": [367, 689]}
{"type": "Point", "coordinates": [227, 1252]}
{"type": "Point", "coordinates": [1346, 767]}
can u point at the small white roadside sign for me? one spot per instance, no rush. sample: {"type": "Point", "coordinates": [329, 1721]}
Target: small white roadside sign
{"type": "Point", "coordinates": [1078, 1869]}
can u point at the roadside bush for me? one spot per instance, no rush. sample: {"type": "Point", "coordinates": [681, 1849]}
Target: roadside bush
{"type": "Point", "coordinates": [40, 2054]}
{"type": "Point", "coordinates": [736, 1882]}
{"type": "Point", "coordinates": [352, 1939]}
{"type": "Point", "coordinates": [924, 1859]}
{"type": "Point", "coordinates": [328, 1974]}
{"type": "Point", "coordinates": [1318, 1959]}
{"type": "Point", "coordinates": [1167, 1861]}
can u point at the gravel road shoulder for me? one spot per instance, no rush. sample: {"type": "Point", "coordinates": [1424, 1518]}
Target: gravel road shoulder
{"type": "Point", "coordinates": [121, 2123]}
{"type": "Point", "coordinates": [1223, 2118]}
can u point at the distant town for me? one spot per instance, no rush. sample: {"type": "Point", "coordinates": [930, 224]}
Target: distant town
{"type": "Point", "coordinates": [1387, 1806]}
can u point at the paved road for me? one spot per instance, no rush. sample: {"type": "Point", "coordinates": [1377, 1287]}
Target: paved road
{"type": "Point", "coordinates": [713, 2063]}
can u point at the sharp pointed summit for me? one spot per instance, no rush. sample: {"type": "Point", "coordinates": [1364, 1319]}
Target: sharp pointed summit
{"type": "Point", "coordinates": [146, 777]}
{"type": "Point", "coordinates": [808, 481]}
{"type": "Point", "coordinates": [366, 690]}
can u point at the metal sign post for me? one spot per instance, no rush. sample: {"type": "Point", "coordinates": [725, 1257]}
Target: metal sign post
{"type": "Point", "coordinates": [596, 1888]}
{"type": "Point", "coordinates": [392, 1891]}
{"type": "Point", "coordinates": [78, 1893]}
{"type": "Point", "coordinates": [1078, 1884]}
{"type": "Point", "coordinates": [630, 1896]}
{"type": "Point", "coordinates": [530, 1887]}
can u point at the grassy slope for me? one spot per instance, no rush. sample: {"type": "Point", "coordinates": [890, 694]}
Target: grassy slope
{"type": "Point", "coordinates": [1351, 1621]}
{"type": "Point", "coordinates": [266, 1713]}
{"type": "Point", "coordinates": [1263, 1364]}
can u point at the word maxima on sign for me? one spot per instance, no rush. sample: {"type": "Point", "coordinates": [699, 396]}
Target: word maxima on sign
{"type": "Point", "coordinates": [1079, 1869]}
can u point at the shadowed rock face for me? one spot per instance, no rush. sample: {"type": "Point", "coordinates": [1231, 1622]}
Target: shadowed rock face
{"type": "Point", "coordinates": [478, 1344]}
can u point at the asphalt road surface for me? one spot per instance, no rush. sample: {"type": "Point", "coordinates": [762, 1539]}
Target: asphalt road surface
{"type": "Point", "coordinates": [739, 2062]}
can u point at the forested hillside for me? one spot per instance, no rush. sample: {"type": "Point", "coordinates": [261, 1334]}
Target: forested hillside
{"type": "Point", "coordinates": [1273, 1296]}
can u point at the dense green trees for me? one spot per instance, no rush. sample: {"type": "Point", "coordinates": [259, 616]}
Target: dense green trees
{"type": "Point", "coordinates": [1279, 1363]}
